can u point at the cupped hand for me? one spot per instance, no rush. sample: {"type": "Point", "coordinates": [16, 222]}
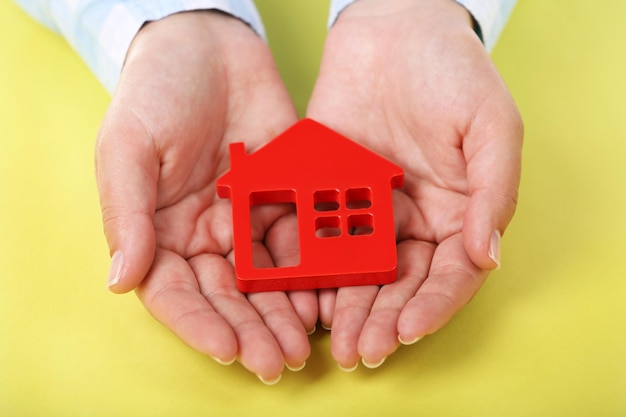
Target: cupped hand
{"type": "Point", "coordinates": [192, 83]}
{"type": "Point", "coordinates": [411, 81]}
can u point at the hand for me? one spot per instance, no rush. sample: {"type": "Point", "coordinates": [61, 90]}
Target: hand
{"type": "Point", "coordinates": [192, 83]}
{"type": "Point", "coordinates": [411, 81]}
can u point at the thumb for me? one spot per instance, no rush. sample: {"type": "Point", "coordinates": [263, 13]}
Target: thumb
{"type": "Point", "coordinates": [493, 151]}
{"type": "Point", "coordinates": [127, 166]}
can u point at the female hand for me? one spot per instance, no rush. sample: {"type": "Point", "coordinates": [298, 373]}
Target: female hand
{"type": "Point", "coordinates": [192, 83]}
{"type": "Point", "coordinates": [411, 81]}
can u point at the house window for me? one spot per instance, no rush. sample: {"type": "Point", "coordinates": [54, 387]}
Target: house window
{"type": "Point", "coordinates": [326, 200]}
{"type": "Point", "coordinates": [328, 226]}
{"type": "Point", "coordinates": [360, 224]}
{"type": "Point", "coordinates": [358, 198]}
{"type": "Point", "coordinates": [338, 217]}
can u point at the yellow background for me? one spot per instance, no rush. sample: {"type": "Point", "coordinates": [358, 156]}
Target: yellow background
{"type": "Point", "coordinates": [546, 336]}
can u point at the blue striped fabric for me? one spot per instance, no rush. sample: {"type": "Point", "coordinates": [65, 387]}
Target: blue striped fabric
{"type": "Point", "coordinates": [101, 31]}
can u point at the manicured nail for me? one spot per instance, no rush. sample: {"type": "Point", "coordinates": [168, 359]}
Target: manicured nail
{"type": "Point", "coordinates": [223, 362]}
{"type": "Point", "coordinates": [373, 365]}
{"type": "Point", "coordinates": [326, 327]}
{"type": "Point", "coordinates": [408, 342]}
{"type": "Point", "coordinates": [351, 369]}
{"type": "Point", "coordinates": [296, 368]}
{"type": "Point", "coordinates": [270, 381]}
{"type": "Point", "coordinates": [116, 269]}
{"type": "Point", "coordinates": [310, 332]}
{"type": "Point", "coordinates": [494, 247]}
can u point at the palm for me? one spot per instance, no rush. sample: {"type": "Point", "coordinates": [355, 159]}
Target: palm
{"type": "Point", "coordinates": [173, 119]}
{"type": "Point", "coordinates": [417, 100]}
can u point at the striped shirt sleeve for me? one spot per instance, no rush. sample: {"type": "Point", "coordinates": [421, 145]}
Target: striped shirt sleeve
{"type": "Point", "coordinates": [101, 31]}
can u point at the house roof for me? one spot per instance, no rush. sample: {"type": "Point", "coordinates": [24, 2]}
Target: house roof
{"type": "Point", "coordinates": [307, 151]}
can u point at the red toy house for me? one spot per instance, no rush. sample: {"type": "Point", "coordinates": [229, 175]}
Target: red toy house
{"type": "Point", "coordinates": [342, 197]}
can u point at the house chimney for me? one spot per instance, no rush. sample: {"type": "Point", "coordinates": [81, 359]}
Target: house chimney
{"type": "Point", "coordinates": [237, 153]}
{"type": "Point", "coordinates": [224, 183]}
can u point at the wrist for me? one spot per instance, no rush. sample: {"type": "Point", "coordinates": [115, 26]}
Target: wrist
{"type": "Point", "coordinates": [427, 13]}
{"type": "Point", "coordinates": [186, 32]}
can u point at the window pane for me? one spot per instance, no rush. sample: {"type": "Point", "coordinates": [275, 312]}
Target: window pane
{"type": "Point", "coordinates": [326, 200]}
{"type": "Point", "coordinates": [360, 224]}
{"type": "Point", "coordinates": [358, 198]}
{"type": "Point", "coordinates": [328, 227]}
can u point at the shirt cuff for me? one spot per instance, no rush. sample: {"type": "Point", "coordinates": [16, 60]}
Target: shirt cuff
{"type": "Point", "coordinates": [336, 7]}
{"type": "Point", "coordinates": [491, 16]}
{"type": "Point", "coordinates": [102, 31]}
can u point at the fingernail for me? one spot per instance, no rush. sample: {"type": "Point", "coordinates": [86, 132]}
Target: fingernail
{"type": "Point", "coordinates": [408, 342]}
{"type": "Point", "coordinates": [270, 381]}
{"type": "Point", "coordinates": [356, 365]}
{"type": "Point", "coordinates": [373, 365]}
{"type": "Point", "coordinates": [310, 332]}
{"type": "Point", "coordinates": [296, 368]}
{"type": "Point", "coordinates": [116, 269]}
{"type": "Point", "coordinates": [494, 248]}
{"type": "Point", "coordinates": [326, 327]}
{"type": "Point", "coordinates": [223, 362]}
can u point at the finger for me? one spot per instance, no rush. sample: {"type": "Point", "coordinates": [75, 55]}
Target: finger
{"type": "Point", "coordinates": [452, 281]}
{"type": "Point", "coordinates": [127, 169]}
{"type": "Point", "coordinates": [259, 350]}
{"type": "Point", "coordinates": [305, 305]}
{"type": "Point", "coordinates": [351, 311]}
{"type": "Point", "coordinates": [379, 337]}
{"type": "Point", "coordinates": [281, 319]}
{"type": "Point", "coordinates": [493, 149]}
{"type": "Point", "coordinates": [282, 242]}
{"type": "Point", "coordinates": [172, 295]}
{"type": "Point", "coordinates": [326, 301]}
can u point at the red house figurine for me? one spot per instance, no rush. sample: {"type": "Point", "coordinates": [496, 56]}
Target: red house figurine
{"type": "Point", "coordinates": [342, 194]}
